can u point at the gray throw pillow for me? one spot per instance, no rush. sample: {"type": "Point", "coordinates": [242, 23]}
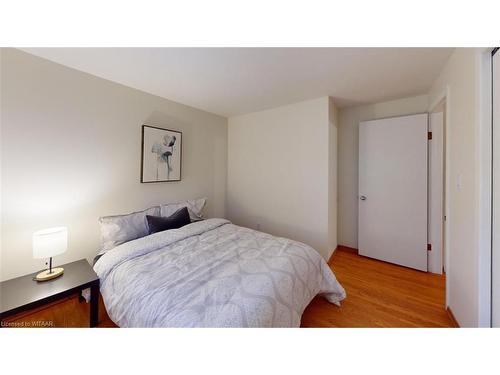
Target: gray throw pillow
{"type": "Point", "coordinates": [119, 229]}
{"type": "Point", "coordinates": [194, 206]}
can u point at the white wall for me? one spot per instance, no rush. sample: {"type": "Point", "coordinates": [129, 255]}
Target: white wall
{"type": "Point", "coordinates": [279, 172]}
{"type": "Point", "coordinates": [348, 156]}
{"type": "Point", "coordinates": [460, 80]}
{"type": "Point", "coordinates": [70, 152]}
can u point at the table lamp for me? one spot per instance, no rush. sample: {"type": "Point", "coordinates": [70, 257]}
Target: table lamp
{"type": "Point", "coordinates": [48, 243]}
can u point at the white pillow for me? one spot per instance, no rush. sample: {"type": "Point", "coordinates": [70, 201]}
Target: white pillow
{"type": "Point", "coordinates": [195, 208]}
{"type": "Point", "coordinates": [119, 229]}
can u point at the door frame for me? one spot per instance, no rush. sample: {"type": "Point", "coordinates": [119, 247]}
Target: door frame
{"type": "Point", "coordinates": [486, 92]}
{"type": "Point", "coordinates": [444, 96]}
{"type": "Point", "coordinates": [484, 181]}
{"type": "Point", "coordinates": [436, 153]}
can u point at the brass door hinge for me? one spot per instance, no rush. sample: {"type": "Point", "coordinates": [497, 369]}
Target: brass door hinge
{"type": "Point", "coordinates": [429, 135]}
{"type": "Point", "coordinates": [429, 247]}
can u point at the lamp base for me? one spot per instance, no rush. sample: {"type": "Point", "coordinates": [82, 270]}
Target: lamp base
{"type": "Point", "coordinates": [47, 275]}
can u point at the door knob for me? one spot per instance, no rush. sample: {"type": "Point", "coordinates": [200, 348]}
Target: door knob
{"type": "Point", "coordinates": [363, 198]}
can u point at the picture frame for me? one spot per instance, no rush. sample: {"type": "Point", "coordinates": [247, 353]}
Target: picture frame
{"type": "Point", "coordinates": [161, 154]}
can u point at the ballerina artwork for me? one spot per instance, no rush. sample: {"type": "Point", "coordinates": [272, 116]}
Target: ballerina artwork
{"type": "Point", "coordinates": [163, 161]}
{"type": "Point", "coordinates": [164, 152]}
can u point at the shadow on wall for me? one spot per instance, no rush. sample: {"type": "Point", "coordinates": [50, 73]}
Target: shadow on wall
{"type": "Point", "coordinates": [163, 119]}
{"type": "Point", "coordinates": [242, 215]}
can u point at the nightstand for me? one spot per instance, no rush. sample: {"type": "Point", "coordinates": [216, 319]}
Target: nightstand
{"type": "Point", "coordinates": [23, 293]}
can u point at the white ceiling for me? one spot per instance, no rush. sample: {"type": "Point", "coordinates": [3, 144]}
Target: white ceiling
{"type": "Point", "coordinates": [232, 81]}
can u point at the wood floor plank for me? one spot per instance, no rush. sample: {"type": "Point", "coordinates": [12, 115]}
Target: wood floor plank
{"type": "Point", "coordinates": [380, 294]}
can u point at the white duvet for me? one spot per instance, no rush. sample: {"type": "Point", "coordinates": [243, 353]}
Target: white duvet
{"type": "Point", "coordinates": [213, 274]}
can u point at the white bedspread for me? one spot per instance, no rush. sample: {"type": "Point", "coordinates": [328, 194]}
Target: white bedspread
{"type": "Point", "coordinates": [213, 274]}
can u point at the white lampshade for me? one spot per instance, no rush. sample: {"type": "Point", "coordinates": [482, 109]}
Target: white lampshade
{"type": "Point", "coordinates": [50, 242]}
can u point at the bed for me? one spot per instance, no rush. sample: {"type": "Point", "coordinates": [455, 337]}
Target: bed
{"type": "Point", "coordinates": [212, 273]}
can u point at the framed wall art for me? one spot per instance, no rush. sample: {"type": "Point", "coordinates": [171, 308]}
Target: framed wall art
{"type": "Point", "coordinates": [161, 154]}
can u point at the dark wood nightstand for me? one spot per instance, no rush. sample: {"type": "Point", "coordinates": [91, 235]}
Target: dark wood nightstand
{"type": "Point", "coordinates": [23, 293]}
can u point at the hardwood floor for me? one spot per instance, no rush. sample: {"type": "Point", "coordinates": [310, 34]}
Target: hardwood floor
{"type": "Point", "coordinates": [70, 312]}
{"type": "Point", "coordinates": [380, 294]}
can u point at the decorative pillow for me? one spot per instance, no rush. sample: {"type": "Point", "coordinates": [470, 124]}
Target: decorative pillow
{"type": "Point", "coordinates": [178, 219]}
{"type": "Point", "coordinates": [119, 229]}
{"type": "Point", "coordinates": [195, 208]}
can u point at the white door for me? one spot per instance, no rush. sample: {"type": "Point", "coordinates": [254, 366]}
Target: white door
{"type": "Point", "coordinates": [495, 232]}
{"type": "Point", "coordinates": [393, 190]}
